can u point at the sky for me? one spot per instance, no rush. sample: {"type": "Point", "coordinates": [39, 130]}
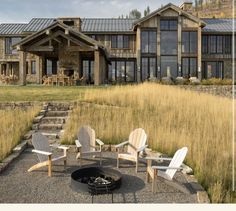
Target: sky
{"type": "Point", "coordinates": [12, 11]}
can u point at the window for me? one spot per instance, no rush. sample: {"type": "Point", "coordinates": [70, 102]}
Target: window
{"type": "Point", "coordinates": [148, 41]}
{"type": "Point", "coordinates": [122, 71]}
{"type": "Point", "coordinates": [9, 42]}
{"type": "Point", "coordinates": [214, 69]}
{"type": "Point", "coordinates": [169, 65]}
{"type": "Point", "coordinates": [33, 67]}
{"type": "Point", "coordinates": [168, 25]}
{"type": "Point", "coordinates": [120, 41]}
{"type": "Point", "coordinates": [88, 71]}
{"type": "Point", "coordinates": [169, 42]}
{"type": "Point", "coordinates": [204, 44]}
{"type": "Point", "coordinates": [212, 44]}
{"type": "Point", "coordinates": [69, 23]}
{"type": "Point", "coordinates": [189, 42]}
{"type": "Point", "coordinates": [93, 36]}
{"type": "Point", "coordinates": [189, 67]}
{"type": "Point", "coordinates": [27, 68]}
{"type": "Point", "coordinates": [149, 68]}
{"type": "Point", "coordinates": [219, 45]}
{"type": "Point", "coordinates": [228, 45]}
{"type": "Point", "coordinates": [49, 67]}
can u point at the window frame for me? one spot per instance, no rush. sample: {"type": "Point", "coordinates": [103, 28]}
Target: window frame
{"type": "Point", "coordinates": [149, 31]}
{"type": "Point", "coordinates": [33, 70]}
{"type": "Point", "coordinates": [189, 66]}
{"type": "Point", "coordinates": [125, 40]}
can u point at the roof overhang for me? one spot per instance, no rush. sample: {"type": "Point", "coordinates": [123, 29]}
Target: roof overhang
{"type": "Point", "coordinates": [166, 7]}
{"type": "Point", "coordinates": [68, 31]}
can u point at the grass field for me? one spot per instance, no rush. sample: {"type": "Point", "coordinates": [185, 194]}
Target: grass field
{"type": "Point", "coordinates": [14, 124]}
{"type": "Point", "coordinates": [172, 118]}
{"type": "Point", "coordinates": [41, 93]}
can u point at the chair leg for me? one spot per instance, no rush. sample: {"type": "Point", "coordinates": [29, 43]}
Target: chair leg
{"type": "Point", "coordinates": [118, 162]}
{"type": "Point", "coordinates": [49, 165]}
{"type": "Point", "coordinates": [154, 181]}
{"type": "Point", "coordinates": [136, 166]}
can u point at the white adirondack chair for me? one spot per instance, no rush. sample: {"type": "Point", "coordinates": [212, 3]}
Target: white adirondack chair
{"type": "Point", "coordinates": [136, 144]}
{"type": "Point", "coordinates": [86, 144]}
{"type": "Point", "coordinates": [166, 172]}
{"type": "Point", "coordinates": [44, 153]}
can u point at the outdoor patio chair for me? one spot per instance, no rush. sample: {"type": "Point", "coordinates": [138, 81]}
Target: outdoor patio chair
{"type": "Point", "coordinates": [87, 144]}
{"type": "Point", "coordinates": [44, 153]}
{"type": "Point", "coordinates": [136, 144]}
{"type": "Point", "coordinates": [166, 172]}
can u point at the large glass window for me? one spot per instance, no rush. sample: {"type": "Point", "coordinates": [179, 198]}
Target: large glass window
{"type": "Point", "coordinates": [169, 42]}
{"type": "Point", "coordinates": [168, 24]}
{"type": "Point", "coordinates": [149, 68]}
{"type": "Point", "coordinates": [49, 67]}
{"type": "Point", "coordinates": [148, 41]}
{"type": "Point", "coordinates": [189, 67]}
{"type": "Point", "coordinates": [120, 41]}
{"type": "Point", "coordinates": [228, 44]}
{"type": "Point", "coordinates": [9, 42]}
{"type": "Point", "coordinates": [189, 42]}
{"type": "Point", "coordinates": [214, 70]}
{"type": "Point", "coordinates": [212, 44]}
{"type": "Point", "coordinates": [122, 71]}
{"type": "Point", "coordinates": [169, 65]}
{"type": "Point", "coordinates": [88, 71]}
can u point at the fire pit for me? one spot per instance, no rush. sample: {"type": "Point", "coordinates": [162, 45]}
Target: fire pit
{"type": "Point", "coordinates": [95, 180]}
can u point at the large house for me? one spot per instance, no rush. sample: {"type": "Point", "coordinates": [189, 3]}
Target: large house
{"type": "Point", "coordinates": [169, 41]}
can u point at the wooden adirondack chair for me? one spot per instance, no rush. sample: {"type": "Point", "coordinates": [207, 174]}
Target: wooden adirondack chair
{"type": "Point", "coordinates": [136, 144]}
{"type": "Point", "coordinates": [44, 153]}
{"type": "Point", "coordinates": [87, 144]}
{"type": "Point", "coordinates": [166, 172]}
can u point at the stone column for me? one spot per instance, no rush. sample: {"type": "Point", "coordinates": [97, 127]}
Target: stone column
{"type": "Point", "coordinates": [39, 69]}
{"type": "Point", "coordinates": [158, 48]}
{"type": "Point", "coordinates": [179, 57]}
{"type": "Point", "coordinates": [0, 68]}
{"type": "Point", "coordinates": [97, 71]}
{"type": "Point", "coordinates": [199, 53]}
{"type": "Point", "coordinates": [22, 67]}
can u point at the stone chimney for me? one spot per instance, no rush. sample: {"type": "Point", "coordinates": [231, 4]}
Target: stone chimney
{"type": "Point", "coordinates": [74, 22]}
{"type": "Point", "coordinates": [187, 6]}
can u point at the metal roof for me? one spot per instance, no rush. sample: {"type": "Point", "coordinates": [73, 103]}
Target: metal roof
{"type": "Point", "coordinates": [12, 28]}
{"type": "Point", "coordinates": [107, 25]}
{"type": "Point", "coordinates": [218, 25]}
{"type": "Point", "coordinates": [36, 24]}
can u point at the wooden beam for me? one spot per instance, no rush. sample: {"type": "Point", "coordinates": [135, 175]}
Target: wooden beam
{"type": "Point", "coordinates": [41, 48]}
{"type": "Point", "coordinates": [78, 48]}
{"type": "Point", "coordinates": [48, 31]}
{"type": "Point", "coordinates": [66, 31]}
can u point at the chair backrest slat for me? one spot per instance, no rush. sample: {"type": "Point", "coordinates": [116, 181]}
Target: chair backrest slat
{"type": "Point", "coordinates": [86, 136]}
{"type": "Point", "coordinates": [40, 142]}
{"type": "Point", "coordinates": [176, 161]}
{"type": "Point", "coordinates": [137, 139]}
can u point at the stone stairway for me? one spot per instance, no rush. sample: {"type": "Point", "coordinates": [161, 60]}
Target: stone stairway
{"type": "Point", "coordinates": [50, 121]}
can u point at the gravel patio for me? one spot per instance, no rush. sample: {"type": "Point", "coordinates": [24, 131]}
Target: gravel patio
{"type": "Point", "coordinates": [19, 186]}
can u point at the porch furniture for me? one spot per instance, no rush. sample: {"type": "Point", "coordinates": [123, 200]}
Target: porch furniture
{"type": "Point", "coordinates": [86, 144]}
{"type": "Point", "coordinates": [166, 172]}
{"type": "Point", "coordinates": [54, 80]}
{"type": "Point", "coordinates": [136, 144]}
{"type": "Point", "coordinates": [44, 153]}
{"type": "Point", "coordinates": [60, 80]}
{"type": "Point", "coordinates": [47, 80]}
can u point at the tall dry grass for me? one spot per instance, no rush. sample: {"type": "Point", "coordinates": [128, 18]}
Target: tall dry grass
{"type": "Point", "coordinates": [14, 124]}
{"type": "Point", "coordinates": [172, 118]}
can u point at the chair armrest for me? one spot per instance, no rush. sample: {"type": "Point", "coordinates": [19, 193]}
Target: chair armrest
{"type": "Point", "coordinates": [121, 144]}
{"type": "Point", "coordinates": [165, 167]}
{"type": "Point", "coordinates": [99, 142]}
{"type": "Point", "coordinates": [78, 144]}
{"type": "Point", "coordinates": [158, 158]}
{"type": "Point", "coordinates": [63, 147]}
{"type": "Point", "coordinates": [142, 148]}
{"type": "Point", "coordinates": [42, 152]}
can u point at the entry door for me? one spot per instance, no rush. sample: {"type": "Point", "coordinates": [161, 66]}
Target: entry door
{"type": "Point", "coordinates": [88, 71]}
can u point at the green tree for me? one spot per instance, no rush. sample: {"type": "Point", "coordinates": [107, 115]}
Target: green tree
{"type": "Point", "coordinates": [147, 11]}
{"type": "Point", "coordinates": [135, 14]}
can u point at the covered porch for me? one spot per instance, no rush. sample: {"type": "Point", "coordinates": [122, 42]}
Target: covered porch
{"type": "Point", "coordinates": [63, 56]}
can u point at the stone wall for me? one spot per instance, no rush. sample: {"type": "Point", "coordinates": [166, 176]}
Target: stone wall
{"type": "Point", "coordinates": [17, 105]}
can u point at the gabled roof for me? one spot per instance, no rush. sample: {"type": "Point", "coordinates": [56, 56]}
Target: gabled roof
{"type": "Point", "coordinates": [107, 25]}
{"type": "Point", "coordinates": [169, 6]}
{"type": "Point", "coordinates": [88, 40]}
{"type": "Point", "coordinates": [12, 28]}
{"type": "Point", "coordinates": [36, 24]}
{"type": "Point", "coordinates": [219, 25]}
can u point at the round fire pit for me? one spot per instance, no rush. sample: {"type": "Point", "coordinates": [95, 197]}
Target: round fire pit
{"type": "Point", "coordinates": [95, 180]}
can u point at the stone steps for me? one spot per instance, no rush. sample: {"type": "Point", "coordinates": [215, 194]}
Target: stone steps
{"type": "Point", "coordinates": [53, 120]}
{"type": "Point", "coordinates": [50, 126]}
{"type": "Point", "coordinates": [53, 113]}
